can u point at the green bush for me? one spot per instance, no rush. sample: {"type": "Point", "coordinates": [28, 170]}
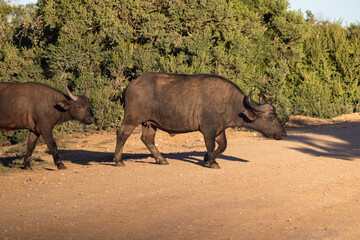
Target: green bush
{"type": "Point", "coordinates": [13, 137]}
{"type": "Point", "coordinates": [304, 66]}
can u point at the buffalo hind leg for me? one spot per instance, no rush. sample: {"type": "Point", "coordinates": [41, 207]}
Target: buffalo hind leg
{"type": "Point", "coordinates": [122, 134]}
{"type": "Point", "coordinates": [50, 142]}
{"type": "Point", "coordinates": [148, 138]}
{"type": "Point", "coordinates": [33, 137]}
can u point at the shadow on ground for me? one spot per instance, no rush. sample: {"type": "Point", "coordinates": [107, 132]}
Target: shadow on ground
{"type": "Point", "coordinates": [17, 161]}
{"type": "Point", "coordinates": [85, 157]}
{"type": "Point", "coordinates": [11, 162]}
{"type": "Point", "coordinates": [333, 141]}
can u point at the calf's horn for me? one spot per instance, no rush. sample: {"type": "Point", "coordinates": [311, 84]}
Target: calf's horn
{"type": "Point", "coordinates": [72, 96]}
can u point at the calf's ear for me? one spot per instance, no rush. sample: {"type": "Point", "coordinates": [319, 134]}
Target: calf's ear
{"type": "Point", "coordinates": [63, 105]}
{"type": "Point", "coordinates": [252, 116]}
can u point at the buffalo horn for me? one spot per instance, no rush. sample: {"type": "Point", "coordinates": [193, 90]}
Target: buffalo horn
{"type": "Point", "coordinates": [72, 96]}
{"type": "Point", "coordinates": [87, 94]}
{"type": "Point", "coordinates": [261, 97]}
{"type": "Point", "coordinates": [251, 104]}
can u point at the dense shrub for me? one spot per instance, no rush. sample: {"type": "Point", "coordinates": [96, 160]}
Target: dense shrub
{"type": "Point", "coordinates": [304, 66]}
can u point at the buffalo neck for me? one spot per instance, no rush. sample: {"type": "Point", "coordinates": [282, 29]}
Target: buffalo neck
{"type": "Point", "coordinates": [233, 115]}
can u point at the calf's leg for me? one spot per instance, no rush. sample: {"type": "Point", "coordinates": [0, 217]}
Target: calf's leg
{"type": "Point", "coordinates": [50, 142]}
{"type": "Point", "coordinates": [148, 138]}
{"type": "Point", "coordinates": [33, 137]}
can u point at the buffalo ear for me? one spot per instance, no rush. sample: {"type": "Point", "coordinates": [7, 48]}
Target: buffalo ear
{"type": "Point", "coordinates": [252, 116]}
{"type": "Point", "coordinates": [63, 105]}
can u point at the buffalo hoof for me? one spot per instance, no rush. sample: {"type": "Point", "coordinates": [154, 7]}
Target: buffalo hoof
{"type": "Point", "coordinates": [120, 164]}
{"type": "Point", "coordinates": [214, 165]}
{"type": "Point", "coordinates": [162, 162]}
{"type": "Point", "coordinates": [27, 167]}
{"type": "Point", "coordinates": [61, 166]}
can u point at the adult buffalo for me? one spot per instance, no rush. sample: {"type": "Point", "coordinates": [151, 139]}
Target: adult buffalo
{"type": "Point", "coordinates": [178, 103]}
{"type": "Point", "coordinates": [39, 108]}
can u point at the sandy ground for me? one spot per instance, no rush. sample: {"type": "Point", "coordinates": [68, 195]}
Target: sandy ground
{"type": "Point", "coordinates": [304, 187]}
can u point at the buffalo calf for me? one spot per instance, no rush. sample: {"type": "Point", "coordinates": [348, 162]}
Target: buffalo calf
{"type": "Point", "coordinates": [39, 108]}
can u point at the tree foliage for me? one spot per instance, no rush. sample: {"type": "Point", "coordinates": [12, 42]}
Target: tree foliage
{"type": "Point", "coordinates": [304, 66]}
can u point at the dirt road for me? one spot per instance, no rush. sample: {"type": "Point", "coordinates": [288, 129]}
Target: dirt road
{"type": "Point", "coordinates": [304, 187]}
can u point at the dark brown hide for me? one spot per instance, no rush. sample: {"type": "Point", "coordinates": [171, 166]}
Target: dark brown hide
{"type": "Point", "coordinates": [185, 103]}
{"type": "Point", "coordinates": [39, 108]}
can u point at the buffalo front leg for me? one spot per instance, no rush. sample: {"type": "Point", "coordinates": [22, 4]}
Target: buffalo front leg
{"type": "Point", "coordinates": [222, 143]}
{"type": "Point", "coordinates": [210, 157]}
{"type": "Point", "coordinates": [148, 138]}
{"type": "Point", "coordinates": [122, 134]}
{"type": "Point", "coordinates": [33, 137]}
{"type": "Point", "coordinates": [50, 142]}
